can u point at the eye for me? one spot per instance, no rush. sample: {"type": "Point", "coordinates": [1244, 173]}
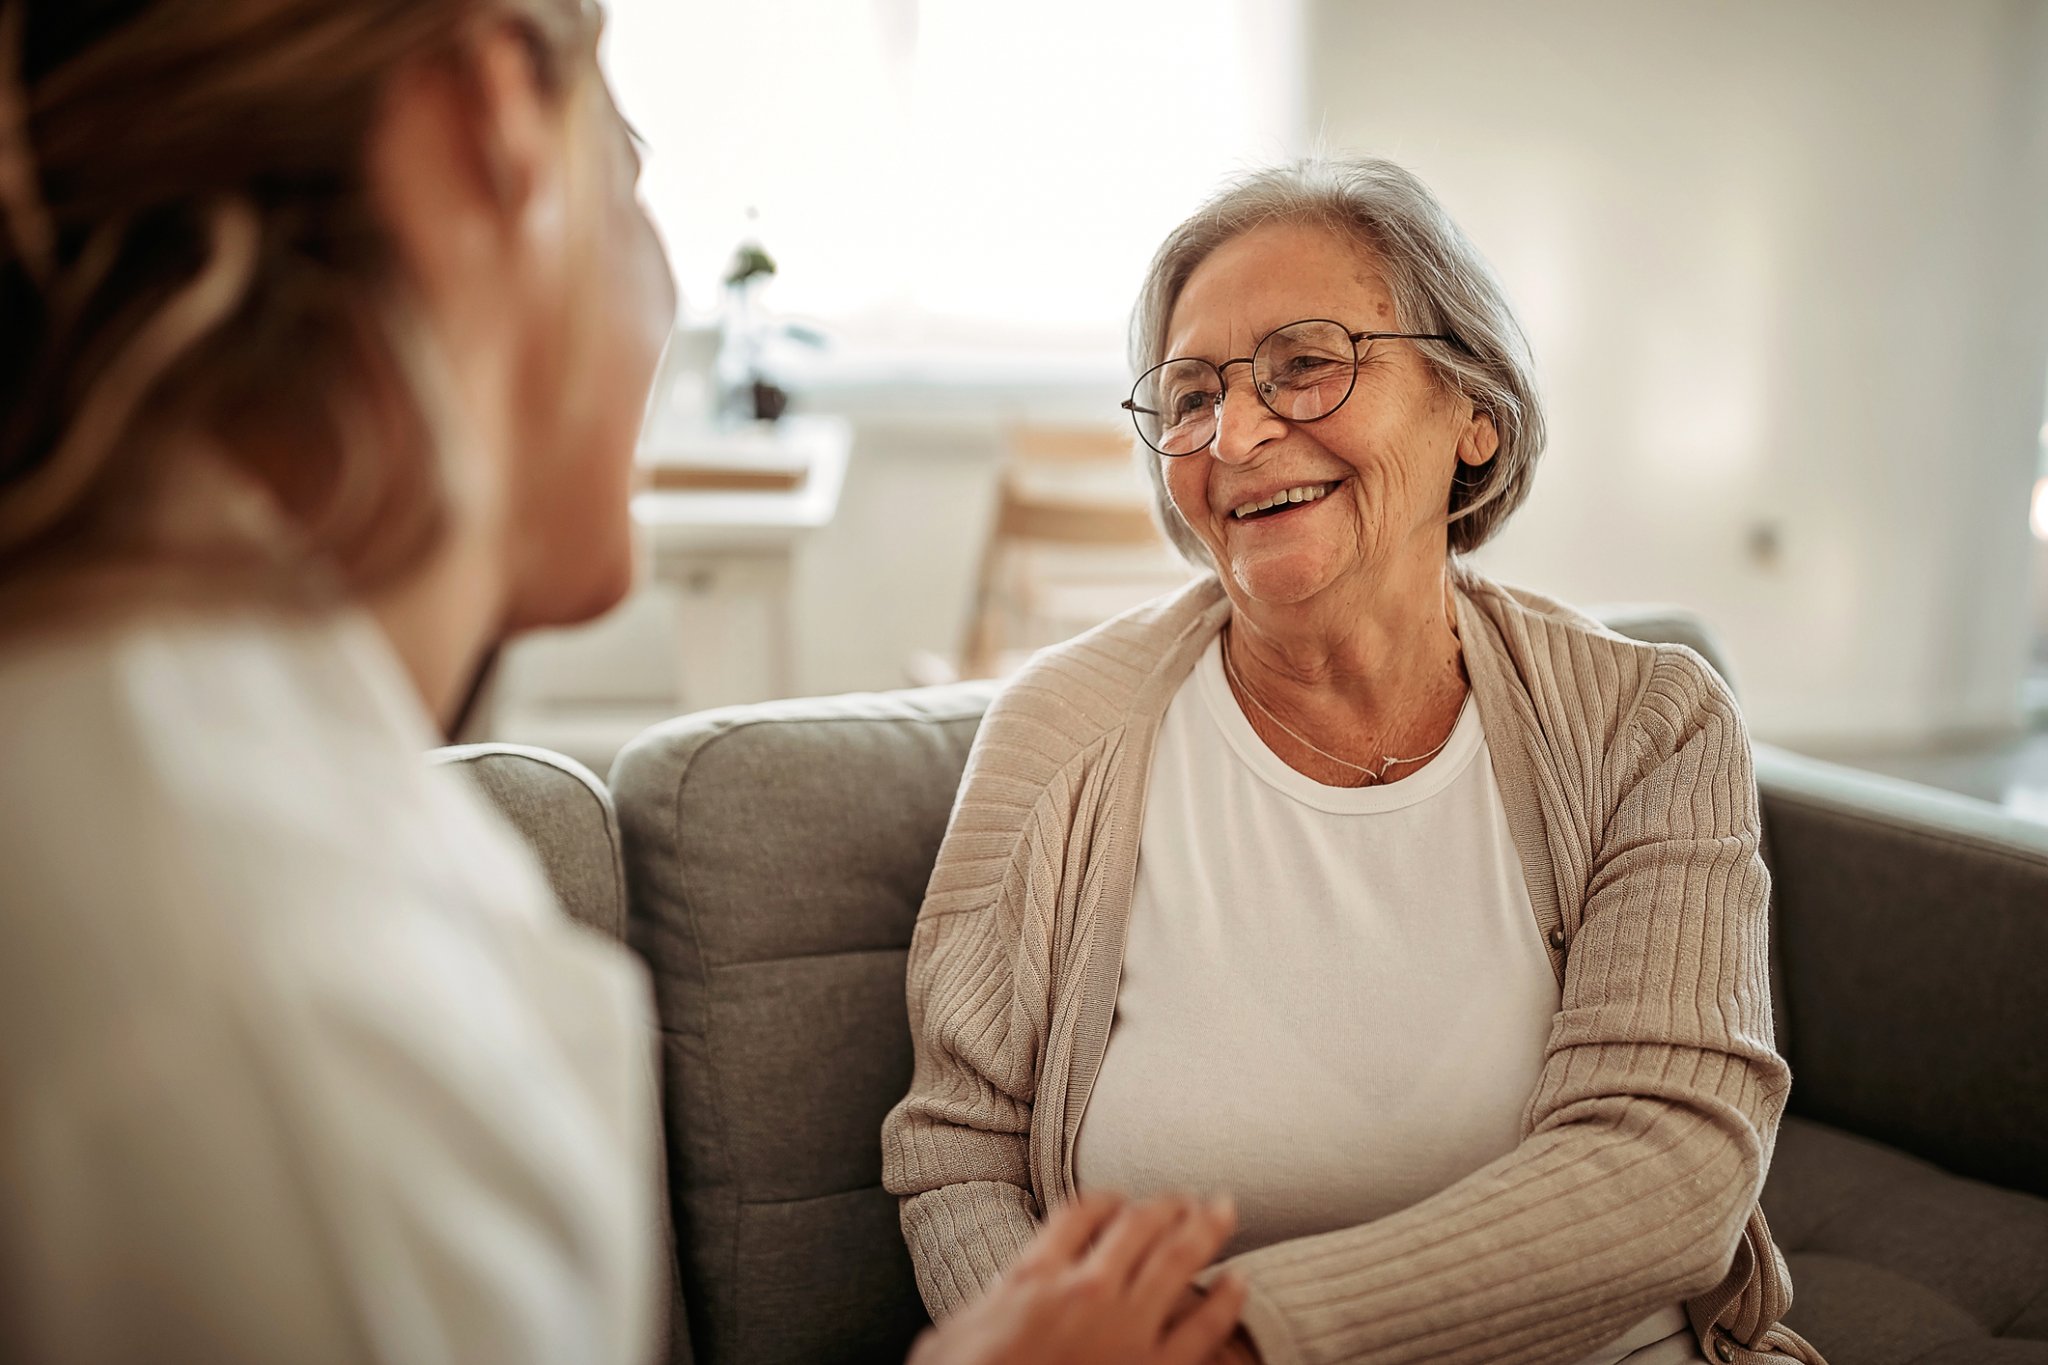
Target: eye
{"type": "Point", "coordinates": [1189, 402]}
{"type": "Point", "coordinates": [1307, 370]}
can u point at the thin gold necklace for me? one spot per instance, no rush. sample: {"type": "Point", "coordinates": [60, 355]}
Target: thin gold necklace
{"type": "Point", "coordinates": [1379, 775]}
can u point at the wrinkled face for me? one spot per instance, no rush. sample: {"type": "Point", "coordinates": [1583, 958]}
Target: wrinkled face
{"type": "Point", "coordinates": [595, 344]}
{"type": "Point", "coordinates": [1374, 476]}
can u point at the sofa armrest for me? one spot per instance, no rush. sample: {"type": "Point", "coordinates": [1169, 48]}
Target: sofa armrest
{"type": "Point", "coordinates": [564, 814]}
{"type": "Point", "coordinates": [1912, 929]}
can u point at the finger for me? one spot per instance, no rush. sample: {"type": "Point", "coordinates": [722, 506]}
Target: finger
{"type": "Point", "coordinates": [1129, 1238]}
{"type": "Point", "coordinates": [1069, 1231]}
{"type": "Point", "coordinates": [1189, 1300]}
{"type": "Point", "coordinates": [1208, 1327]}
{"type": "Point", "coordinates": [1163, 1276]}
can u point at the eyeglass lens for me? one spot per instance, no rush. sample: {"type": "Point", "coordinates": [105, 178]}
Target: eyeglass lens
{"type": "Point", "coordinates": [1301, 372]}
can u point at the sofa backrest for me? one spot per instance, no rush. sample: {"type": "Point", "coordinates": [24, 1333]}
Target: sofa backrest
{"type": "Point", "coordinates": [1912, 931]}
{"type": "Point", "coordinates": [776, 857]}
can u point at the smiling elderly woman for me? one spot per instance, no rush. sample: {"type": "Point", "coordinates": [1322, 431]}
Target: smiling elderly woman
{"type": "Point", "coordinates": [1423, 915]}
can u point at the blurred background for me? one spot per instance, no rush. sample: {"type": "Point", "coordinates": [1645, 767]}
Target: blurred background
{"type": "Point", "coordinates": [1784, 269]}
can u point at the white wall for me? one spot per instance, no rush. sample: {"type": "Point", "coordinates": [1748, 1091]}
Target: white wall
{"type": "Point", "coordinates": [1785, 268]}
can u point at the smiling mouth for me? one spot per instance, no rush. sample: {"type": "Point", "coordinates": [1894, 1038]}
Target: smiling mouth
{"type": "Point", "coordinates": [1286, 500]}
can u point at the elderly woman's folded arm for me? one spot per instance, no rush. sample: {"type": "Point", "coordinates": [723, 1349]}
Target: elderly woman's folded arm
{"type": "Point", "coordinates": [956, 1149]}
{"type": "Point", "coordinates": [1654, 1118]}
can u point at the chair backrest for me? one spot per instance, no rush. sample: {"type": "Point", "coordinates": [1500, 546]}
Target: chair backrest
{"type": "Point", "coordinates": [776, 856]}
{"type": "Point", "coordinates": [1072, 543]}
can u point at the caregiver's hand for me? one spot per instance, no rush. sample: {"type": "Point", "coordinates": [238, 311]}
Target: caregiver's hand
{"type": "Point", "coordinates": [1100, 1286]}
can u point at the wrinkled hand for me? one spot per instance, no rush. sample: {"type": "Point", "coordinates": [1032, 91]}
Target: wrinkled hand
{"type": "Point", "coordinates": [1103, 1284]}
{"type": "Point", "coordinates": [1237, 1349]}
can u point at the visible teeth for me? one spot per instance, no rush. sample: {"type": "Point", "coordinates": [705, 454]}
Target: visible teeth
{"type": "Point", "coordinates": [1307, 492]}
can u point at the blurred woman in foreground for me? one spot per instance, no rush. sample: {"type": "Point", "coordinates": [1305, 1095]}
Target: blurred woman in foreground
{"type": "Point", "coordinates": [327, 328]}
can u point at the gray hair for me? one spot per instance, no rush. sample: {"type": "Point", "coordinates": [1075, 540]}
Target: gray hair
{"type": "Point", "coordinates": [1439, 282]}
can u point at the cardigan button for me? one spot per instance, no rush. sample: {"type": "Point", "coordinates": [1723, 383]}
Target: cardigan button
{"type": "Point", "coordinates": [1722, 1351]}
{"type": "Point", "coordinates": [1557, 938]}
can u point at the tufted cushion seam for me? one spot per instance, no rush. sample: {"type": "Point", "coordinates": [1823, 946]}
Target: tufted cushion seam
{"type": "Point", "coordinates": [1858, 1200]}
{"type": "Point", "coordinates": [813, 955]}
{"type": "Point", "coordinates": [1939, 1347]}
{"type": "Point", "coordinates": [2024, 1309]}
{"type": "Point", "coordinates": [809, 1198]}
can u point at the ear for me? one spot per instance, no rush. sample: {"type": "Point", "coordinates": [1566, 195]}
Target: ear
{"type": "Point", "coordinates": [465, 159]}
{"type": "Point", "coordinates": [1479, 441]}
{"type": "Point", "coordinates": [517, 132]}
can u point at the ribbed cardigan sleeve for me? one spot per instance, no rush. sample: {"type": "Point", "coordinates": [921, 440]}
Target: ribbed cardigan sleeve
{"type": "Point", "coordinates": [956, 1149]}
{"type": "Point", "coordinates": [1654, 1116]}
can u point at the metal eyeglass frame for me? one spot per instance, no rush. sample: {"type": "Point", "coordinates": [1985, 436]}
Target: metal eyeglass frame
{"type": "Point", "coordinates": [1131, 405]}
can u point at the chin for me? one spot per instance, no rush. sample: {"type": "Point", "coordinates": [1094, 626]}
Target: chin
{"type": "Point", "coordinates": [1282, 580]}
{"type": "Point", "coordinates": [583, 590]}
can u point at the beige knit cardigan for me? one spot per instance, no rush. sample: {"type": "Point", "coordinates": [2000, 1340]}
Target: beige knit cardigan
{"type": "Point", "coordinates": [1625, 772]}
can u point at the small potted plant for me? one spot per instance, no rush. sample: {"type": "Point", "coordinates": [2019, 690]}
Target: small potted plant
{"type": "Point", "coordinates": [746, 393]}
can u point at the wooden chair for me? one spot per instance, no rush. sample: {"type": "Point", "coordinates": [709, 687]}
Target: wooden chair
{"type": "Point", "coordinates": [1072, 544]}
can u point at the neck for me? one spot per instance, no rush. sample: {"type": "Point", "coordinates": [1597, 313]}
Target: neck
{"type": "Point", "coordinates": [1372, 650]}
{"type": "Point", "coordinates": [446, 619]}
{"type": "Point", "coordinates": [442, 623]}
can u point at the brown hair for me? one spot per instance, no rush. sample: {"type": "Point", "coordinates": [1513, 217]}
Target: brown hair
{"type": "Point", "coordinates": [193, 278]}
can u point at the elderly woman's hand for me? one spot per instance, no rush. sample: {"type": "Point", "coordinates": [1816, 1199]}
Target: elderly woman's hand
{"type": "Point", "coordinates": [1237, 1349]}
{"type": "Point", "coordinates": [1102, 1285]}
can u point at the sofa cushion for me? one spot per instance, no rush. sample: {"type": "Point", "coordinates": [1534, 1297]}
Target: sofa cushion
{"type": "Point", "coordinates": [777, 856]}
{"type": "Point", "coordinates": [565, 814]}
{"type": "Point", "coordinates": [1895, 1260]}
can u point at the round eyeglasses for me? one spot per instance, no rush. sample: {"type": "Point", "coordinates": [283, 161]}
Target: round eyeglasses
{"type": "Point", "coordinates": [1302, 372]}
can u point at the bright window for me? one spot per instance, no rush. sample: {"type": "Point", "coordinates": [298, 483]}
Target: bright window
{"type": "Point", "coordinates": [939, 174]}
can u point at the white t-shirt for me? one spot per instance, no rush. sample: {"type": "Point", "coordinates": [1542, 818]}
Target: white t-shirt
{"type": "Point", "coordinates": [299, 1060]}
{"type": "Point", "coordinates": [1334, 1001]}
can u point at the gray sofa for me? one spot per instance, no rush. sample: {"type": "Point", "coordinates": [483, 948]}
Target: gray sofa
{"type": "Point", "coordinates": [774, 857]}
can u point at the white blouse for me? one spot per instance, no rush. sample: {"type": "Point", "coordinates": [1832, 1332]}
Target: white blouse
{"type": "Point", "coordinates": [1334, 1001]}
{"type": "Point", "coordinates": [299, 1060]}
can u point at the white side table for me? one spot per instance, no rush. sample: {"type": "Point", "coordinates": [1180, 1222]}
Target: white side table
{"type": "Point", "coordinates": [730, 556]}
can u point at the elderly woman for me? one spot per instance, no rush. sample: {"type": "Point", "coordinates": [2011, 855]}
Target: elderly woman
{"type": "Point", "coordinates": [1423, 915]}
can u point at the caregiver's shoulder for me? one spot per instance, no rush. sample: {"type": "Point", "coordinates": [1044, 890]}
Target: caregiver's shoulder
{"type": "Point", "coordinates": [191, 791]}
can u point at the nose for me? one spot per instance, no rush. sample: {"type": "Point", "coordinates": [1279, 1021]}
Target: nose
{"type": "Point", "coordinates": [1243, 423]}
